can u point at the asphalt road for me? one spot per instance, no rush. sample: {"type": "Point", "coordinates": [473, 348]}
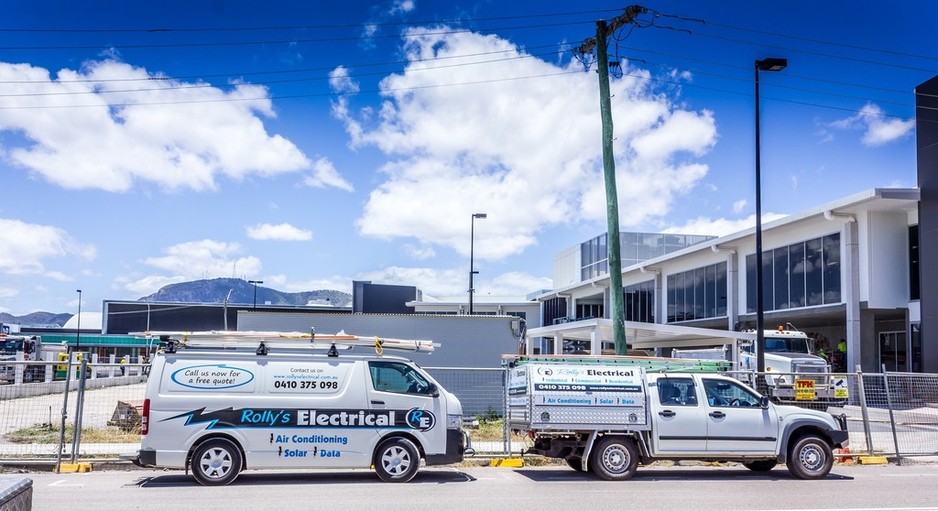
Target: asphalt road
{"type": "Point", "coordinates": [697, 488]}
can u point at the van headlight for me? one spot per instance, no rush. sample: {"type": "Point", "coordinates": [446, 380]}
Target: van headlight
{"type": "Point", "coordinates": [453, 422]}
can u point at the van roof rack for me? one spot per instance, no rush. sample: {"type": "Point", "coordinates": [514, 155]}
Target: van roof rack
{"type": "Point", "coordinates": [262, 342]}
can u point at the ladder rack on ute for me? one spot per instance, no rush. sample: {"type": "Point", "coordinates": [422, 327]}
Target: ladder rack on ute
{"type": "Point", "coordinates": [649, 364]}
{"type": "Point", "coordinates": [262, 342]}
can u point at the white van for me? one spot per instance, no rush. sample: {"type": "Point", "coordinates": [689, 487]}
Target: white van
{"type": "Point", "coordinates": [217, 411]}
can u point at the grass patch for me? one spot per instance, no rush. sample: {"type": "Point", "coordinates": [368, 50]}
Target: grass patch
{"type": "Point", "coordinates": [48, 434]}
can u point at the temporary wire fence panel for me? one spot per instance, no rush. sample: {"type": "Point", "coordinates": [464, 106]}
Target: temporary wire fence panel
{"type": "Point", "coordinates": [480, 390]}
{"type": "Point", "coordinates": [31, 414]}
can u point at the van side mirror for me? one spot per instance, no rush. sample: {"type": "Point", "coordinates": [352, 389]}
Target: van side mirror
{"type": "Point", "coordinates": [764, 401]}
{"type": "Point", "coordinates": [433, 391]}
{"type": "Point", "coordinates": [29, 346]}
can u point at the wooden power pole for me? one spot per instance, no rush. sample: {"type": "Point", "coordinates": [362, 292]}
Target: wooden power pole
{"type": "Point", "coordinates": [616, 295]}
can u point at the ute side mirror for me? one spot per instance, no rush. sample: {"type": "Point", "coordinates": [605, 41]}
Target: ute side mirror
{"type": "Point", "coordinates": [29, 346]}
{"type": "Point", "coordinates": [764, 401]}
{"type": "Point", "coordinates": [433, 391]}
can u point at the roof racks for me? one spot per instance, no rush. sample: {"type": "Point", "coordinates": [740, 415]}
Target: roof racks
{"type": "Point", "coordinates": [262, 342]}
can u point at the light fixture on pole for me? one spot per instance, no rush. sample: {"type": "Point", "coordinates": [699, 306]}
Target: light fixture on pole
{"type": "Point", "coordinates": [769, 64]}
{"type": "Point", "coordinates": [78, 329]}
{"type": "Point", "coordinates": [472, 270]}
{"type": "Point", "coordinates": [255, 282]}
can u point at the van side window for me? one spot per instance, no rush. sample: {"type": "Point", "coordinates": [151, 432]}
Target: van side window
{"type": "Point", "coordinates": [398, 378]}
{"type": "Point", "coordinates": [677, 391]}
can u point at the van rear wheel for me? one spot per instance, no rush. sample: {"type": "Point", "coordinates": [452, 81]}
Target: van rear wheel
{"type": "Point", "coordinates": [614, 458]}
{"type": "Point", "coordinates": [397, 460]}
{"type": "Point", "coordinates": [216, 462]}
{"type": "Point", "coordinates": [760, 465]}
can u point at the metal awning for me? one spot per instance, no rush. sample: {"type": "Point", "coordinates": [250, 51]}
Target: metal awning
{"type": "Point", "coordinates": [639, 335]}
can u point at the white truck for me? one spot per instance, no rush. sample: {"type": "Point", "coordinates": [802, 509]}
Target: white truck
{"type": "Point", "coordinates": [267, 400]}
{"type": "Point", "coordinates": [608, 418]}
{"type": "Point", "coordinates": [27, 351]}
{"type": "Point", "coordinates": [788, 357]}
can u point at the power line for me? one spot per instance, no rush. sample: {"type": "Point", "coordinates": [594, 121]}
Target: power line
{"type": "Point", "coordinates": [301, 27]}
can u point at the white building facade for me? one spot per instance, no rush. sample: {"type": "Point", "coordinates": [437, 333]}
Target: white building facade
{"type": "Point", "coordinates": [846, 270]}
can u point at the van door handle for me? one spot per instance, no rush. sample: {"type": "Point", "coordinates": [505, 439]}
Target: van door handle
{"type": "Point", "coordinates": [376, 402]}
{"type": "Point", "coordinates": [667, 413]}
{"type": "Point", "coordinates": [717, 415]}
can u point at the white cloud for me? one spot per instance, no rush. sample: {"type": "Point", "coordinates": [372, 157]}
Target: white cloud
{"type": "Point", "coordinates": [8, 292]}
{"type": "Point", "coordinates": [720, 226]}
{"type": "Point", "coordinates": [293, 285]}
{"type": "Point", "coordinates": [402, 6]}
{"type": "Point", "coordinates": [30, 245]}
{"type": "Point", "coordinates": [879, 129]}
{"type": "Point", "coordinates": [739, 206]}
{"type": "Point", "coordinates": [110, 125]}
{"type": "Point", "coordinates": [524, 151]}
{"type": "Point", "coordinates": [282, 232]}
{"type": "Point", "coordinates": [340, 81]}
{"type": "Point", "coordinates": [419, 252]}
{"type": "Point", "coordinates": [324, 174]}
{"type": "Point", "coordinates": [191, 261]}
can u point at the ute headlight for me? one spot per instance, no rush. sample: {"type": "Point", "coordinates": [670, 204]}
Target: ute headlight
{"type": "Point", "coordinates": [453, 421]}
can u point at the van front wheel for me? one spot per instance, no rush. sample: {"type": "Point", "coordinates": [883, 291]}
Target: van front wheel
{"type": "Point", "coordinates": [397, 460]}
{"type": "Point", "coordinates": [216, 462]}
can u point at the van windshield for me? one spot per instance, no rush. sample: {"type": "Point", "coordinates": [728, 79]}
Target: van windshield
{"type": "Point", "coordinates": [11, 346]}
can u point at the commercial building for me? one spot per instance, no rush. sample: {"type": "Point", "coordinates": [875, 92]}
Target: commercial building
{"type": "Point", "coordinates": [845, 270]}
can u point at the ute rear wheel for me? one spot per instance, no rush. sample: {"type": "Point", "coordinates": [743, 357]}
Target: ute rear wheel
{"type": "Point", "coordinates": [396, 460]}
{"type": "Point", "coordinates": [215, 462]}
{"type": "Point", "coordinates": [614, 458]}
{"type": "Point", "coordinates": [810, 458]}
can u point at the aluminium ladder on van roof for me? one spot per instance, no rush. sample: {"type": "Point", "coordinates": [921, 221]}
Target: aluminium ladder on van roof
{"type": "Point", "coordinates": [650, 364]}
{"type": "Point", "coordinates": [262, 341]}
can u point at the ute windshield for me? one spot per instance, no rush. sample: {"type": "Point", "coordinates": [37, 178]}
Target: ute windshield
{"type": "Point", "coordinates": [11, 346]}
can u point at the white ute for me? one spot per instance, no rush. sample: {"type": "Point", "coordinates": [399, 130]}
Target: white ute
{"type": "Point", "coordinates": [609, 418]}
{"type": "Point", "coordinates": [234, 403]}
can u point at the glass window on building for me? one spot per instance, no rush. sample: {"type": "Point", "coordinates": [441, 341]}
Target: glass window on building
{"type": "Point", "coordinates": [640, 302]}
{"type": "Point", "coordinates": [798, 275]}
{"type": "Point", "coordinates": [697, 294]}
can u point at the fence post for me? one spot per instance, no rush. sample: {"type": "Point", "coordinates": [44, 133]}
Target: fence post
{"type": "Point", "coordinates": [506, 430]}
{"type": "Point", "coordinates": [866, 413]}
{"type": "Point", "coordinates": [892, 418]}
{"type": "Point", "coordinates": [79, 406]}
{"type": "Point", "coordinates": [68, 370]}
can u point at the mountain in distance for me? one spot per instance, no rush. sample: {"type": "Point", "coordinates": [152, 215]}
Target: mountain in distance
{"type": "Point", "coordinates": [242, 292]}
{"type": "Point", "coordinates": [36, 319]}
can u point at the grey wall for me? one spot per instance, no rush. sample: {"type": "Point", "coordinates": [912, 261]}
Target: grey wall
{"type": "Point", "coordinates": [467, 341]}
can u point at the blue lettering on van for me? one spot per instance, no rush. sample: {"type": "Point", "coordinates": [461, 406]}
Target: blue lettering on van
{"type": "Point", "coordinates": [212, 377]}
{"type": "Point", "coordinates": [417, 419]}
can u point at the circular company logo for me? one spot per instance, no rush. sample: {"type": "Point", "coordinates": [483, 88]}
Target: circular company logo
{"type": "Point", "coordinates": [421, 420]}
{"type": "Point", "coordinates": [544, 371]}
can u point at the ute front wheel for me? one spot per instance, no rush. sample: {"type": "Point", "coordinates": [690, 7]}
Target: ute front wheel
{"type": "Point", "coordinates": [614, 458]}
{"type": "Point", "coordinates": [810, 458]}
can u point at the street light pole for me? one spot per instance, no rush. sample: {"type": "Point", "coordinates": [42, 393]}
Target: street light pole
{"type": "Point", "coordinates": [255, 282]}
{"type": "Point", "coordinates": [769, 64]}
{"type": "Point", "coordinates": [472, 240]}
{"type": "Point", "coordinates": [78, 331]}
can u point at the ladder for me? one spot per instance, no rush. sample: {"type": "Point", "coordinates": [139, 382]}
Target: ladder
{"type": "Point", "coordinates": [262, 342]}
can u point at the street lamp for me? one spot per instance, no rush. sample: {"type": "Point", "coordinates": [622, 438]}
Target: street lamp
{"type": "Point", "coordinates": [255, 282]}
{"type": "Point", "coordinates": [472, 240]}
{"type": "Point", "coordinates": [769, 64]}
{"type": "Point", "coordinates": [78, 331]}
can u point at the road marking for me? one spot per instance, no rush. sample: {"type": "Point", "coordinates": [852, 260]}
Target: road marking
{"type": "Point", "coordinates": [62, 483]}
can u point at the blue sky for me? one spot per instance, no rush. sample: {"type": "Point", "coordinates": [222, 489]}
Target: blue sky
{"type": "Point", "coordinates": [309, 144]}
